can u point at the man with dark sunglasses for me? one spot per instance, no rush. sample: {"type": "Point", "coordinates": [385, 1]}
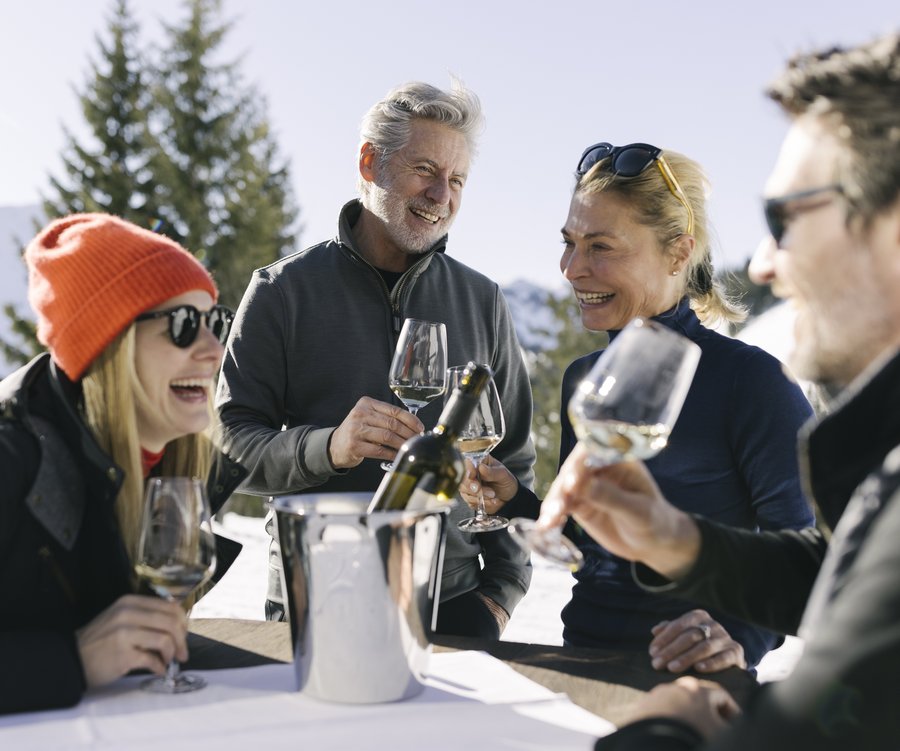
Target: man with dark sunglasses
{"type": "Point", "coordinates": [315, 334]}
{"type": "Point", "coordinates": [833, 209]}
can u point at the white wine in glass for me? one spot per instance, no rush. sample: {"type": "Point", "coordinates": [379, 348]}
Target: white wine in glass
{"type": "Point", "coordinates": [418, 369]}
{"type": "Point", "coordinates": [624, 409]}
{"type": "Point", "coordinates": [485, 429]}
{"type": "Point", "coordinates": [176, 554]}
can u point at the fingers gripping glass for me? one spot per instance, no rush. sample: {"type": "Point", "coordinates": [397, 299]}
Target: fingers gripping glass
{"type": "Point", "coordinates": [184, 322]}
{"type": "Point", "coordinates": [779, 212]}
{"type": "Point", "coordinates": [483, 432]}
{"type": "Point", "coordinates": [630, 161]}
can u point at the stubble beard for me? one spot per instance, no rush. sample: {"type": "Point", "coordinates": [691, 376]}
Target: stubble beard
{"type": "Point", "coordinates": [394, 212]}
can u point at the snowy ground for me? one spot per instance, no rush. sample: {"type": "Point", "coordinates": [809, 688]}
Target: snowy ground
{"type": "Point", "coordinates": [241, 592]}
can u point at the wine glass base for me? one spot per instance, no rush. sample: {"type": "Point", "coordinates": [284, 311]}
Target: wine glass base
{"type": "Point", "coordinates": [483, 524]}
{"type": "Point", "coordinates": [387, 466]}
{"type": "Point", "coordinates": [549, 544]}
{"type": "Point", "coordinates": [182, 683]}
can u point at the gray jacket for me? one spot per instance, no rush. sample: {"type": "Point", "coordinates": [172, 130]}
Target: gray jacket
{"type": "Point", "coordinates": [315, 332]}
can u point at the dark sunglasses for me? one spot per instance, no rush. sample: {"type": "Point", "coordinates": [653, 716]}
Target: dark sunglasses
{"type": "Point", "coordinates": [184, 322]}
{"type": "Point", "coordinates": [630, 161]}
{"type": "Point", "coordinates": [778, 214]}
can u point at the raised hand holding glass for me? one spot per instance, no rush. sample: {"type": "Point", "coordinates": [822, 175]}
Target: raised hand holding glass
{"type": "Point", "coordinates": [623, 409]}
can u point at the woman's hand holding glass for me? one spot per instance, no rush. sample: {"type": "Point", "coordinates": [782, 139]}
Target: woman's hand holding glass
{"type": "Point", "coordinates": [176, 555]}
{"type": "Point", "coordinates": [484, 431]}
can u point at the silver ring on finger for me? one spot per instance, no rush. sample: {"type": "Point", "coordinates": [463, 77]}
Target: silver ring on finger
{"type": "Point", "coordinates": [705, 629]}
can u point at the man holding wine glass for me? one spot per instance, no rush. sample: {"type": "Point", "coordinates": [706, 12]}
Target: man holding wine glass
{"type": "Point", "coordinates": [135, 341]}
{"type": "Point", "coordinates": [833, 212]}
{"type": "Point", "coordinates": [637, 244]}
{"type": "Point", "coordinates": [305, 391]}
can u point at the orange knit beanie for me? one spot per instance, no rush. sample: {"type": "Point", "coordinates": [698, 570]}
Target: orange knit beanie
{"type": "Point", "coordinates": [90, 275]}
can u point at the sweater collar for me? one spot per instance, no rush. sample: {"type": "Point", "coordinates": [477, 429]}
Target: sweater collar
{"type": "Point", "coordinates": [680, 318]}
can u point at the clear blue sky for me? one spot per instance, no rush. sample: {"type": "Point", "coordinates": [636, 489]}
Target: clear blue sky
{"type": "Point", "coordinates": [553, 77]}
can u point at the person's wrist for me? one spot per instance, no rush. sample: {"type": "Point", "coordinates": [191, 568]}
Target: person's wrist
{"type": "Point", "coordinates": [676, 551]}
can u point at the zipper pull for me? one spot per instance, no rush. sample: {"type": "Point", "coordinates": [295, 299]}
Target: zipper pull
{"type": "Point", "coordinates": [398, 324]}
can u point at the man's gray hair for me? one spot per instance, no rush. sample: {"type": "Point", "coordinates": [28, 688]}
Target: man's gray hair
{"type": "Point", "coordinates": [388, 123]}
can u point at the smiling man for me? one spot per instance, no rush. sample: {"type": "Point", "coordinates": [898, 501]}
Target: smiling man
{"type": "Point", "coordinates": [315, 334]}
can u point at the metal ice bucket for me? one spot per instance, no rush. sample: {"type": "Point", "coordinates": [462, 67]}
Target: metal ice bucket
{"type": "Point", "coordinates": [362, 594]}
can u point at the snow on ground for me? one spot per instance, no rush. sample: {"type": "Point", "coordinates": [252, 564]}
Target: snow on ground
{"type": "Point", "coordinates": [536, 620]}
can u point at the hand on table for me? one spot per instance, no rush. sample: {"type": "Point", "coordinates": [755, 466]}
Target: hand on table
{"type": "Point", "coordinates": [704, 705]}
{"type": "Point", "coordinates": [134, 632]}
{"type": "Point", "coordinates": [496, 482]}
{"type": "Point", "coordinates": [694, 640]}
{"type": "Point", "coordinates": [372, 430]}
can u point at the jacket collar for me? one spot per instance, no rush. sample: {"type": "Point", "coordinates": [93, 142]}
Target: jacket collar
{"type": "Point", "coordinates": [839, 452]}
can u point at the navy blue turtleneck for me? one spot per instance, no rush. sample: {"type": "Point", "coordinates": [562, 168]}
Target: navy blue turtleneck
{"type": "Point", "coordinates": [731, 457]}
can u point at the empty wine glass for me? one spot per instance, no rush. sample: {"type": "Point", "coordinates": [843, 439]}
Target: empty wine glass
{"type": "Point", "coordinates": [176, 554]}
{"type": "Point", "coordinates": [476, 440]}
{"type": "Point", "coordinates": [623, 409]}
{"type": "Point", "coordinates": [419, 367]}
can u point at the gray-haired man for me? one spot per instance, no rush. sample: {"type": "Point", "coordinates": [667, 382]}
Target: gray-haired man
{"type": "Point", "coordinates": [314, 335]}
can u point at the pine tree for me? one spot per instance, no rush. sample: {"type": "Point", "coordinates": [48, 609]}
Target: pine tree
{"type": "Point", "coordinates": [224, 192]}
{"type": "Point", "coordinates": [180, 148]}
{"type": "Point", "coordinates": [112, 173]}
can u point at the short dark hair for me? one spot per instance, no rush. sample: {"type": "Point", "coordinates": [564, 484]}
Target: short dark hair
{"type": "Point", "coordinates": [856, 92]}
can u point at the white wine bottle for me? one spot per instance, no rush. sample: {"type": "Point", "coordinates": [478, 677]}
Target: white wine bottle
{"type": "Point", "coordinates": [429, 468]}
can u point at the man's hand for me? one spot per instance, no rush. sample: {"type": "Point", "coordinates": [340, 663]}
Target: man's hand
{"type": "Point", "coordinates": [694, 640]}
{"type": "Point", "coordinates": [622, 508]}
{"type": "Point", "coordinates": [134, 632]}
{"type": "Point", "coordinates": [372, 430]}
{"type": "Point", "coordinates": [704, 705]}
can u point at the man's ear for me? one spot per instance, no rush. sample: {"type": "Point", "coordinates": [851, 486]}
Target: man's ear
{"type": "Point", "coordinates": [367, 158]}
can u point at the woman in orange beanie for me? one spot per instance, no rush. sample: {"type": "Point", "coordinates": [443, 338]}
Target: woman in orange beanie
{"type": "Point", "coordinates": [135, 340]}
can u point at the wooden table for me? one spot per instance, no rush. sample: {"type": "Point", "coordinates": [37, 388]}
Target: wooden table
{"type": "Point", "coordinates": [602, 681]}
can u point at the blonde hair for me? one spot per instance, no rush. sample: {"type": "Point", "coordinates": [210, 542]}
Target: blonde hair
{"type": "Point", "coordinates": [112, 393]}
{"type": "Point", "coordinates": [656, 207]}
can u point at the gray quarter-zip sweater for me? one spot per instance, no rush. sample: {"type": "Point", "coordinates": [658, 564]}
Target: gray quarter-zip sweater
{"type": "Point", "coordinates": [315, 332]}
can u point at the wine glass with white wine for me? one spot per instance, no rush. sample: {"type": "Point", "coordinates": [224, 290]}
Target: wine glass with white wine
{"type": "Point", "coordinates": [419, 368]}
{"type": "Point", "coordinates": [485, 429]}
{"type": "Point", "coordinates": [623, 409]}
{"type": "Point", "coordinates": [176, 554]}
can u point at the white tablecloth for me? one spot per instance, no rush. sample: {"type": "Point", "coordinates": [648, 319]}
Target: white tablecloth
{"type": "Point", "coordinates": [471, 701]}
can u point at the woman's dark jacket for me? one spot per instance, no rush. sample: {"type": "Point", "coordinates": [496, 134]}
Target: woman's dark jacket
{"type": "Point", "coordinates": [62, 559]}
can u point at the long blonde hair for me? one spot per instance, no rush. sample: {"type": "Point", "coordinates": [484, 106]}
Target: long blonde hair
{"type": "Point", "coordinates": [112, 393]}
{"type": "Point", "coordinates": [656, 207]}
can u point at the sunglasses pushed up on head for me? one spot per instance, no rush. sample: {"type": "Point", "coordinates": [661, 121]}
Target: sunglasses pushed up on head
{"type": "Point", "coordinates": [630, 161]}
{"type": "Point", "coordinates": [184, 322]}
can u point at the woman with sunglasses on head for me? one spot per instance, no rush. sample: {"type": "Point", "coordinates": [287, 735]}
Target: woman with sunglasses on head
{"type": "Point", "coordinates": [135, 341]}
{"type": "Point", "coordinates": [637, 243]}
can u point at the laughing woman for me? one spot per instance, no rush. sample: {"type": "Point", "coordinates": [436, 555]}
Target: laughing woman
{"type": "Point", "coordinates": [135, 340]}
{"type": "Point", "coordinates": [636, 242]}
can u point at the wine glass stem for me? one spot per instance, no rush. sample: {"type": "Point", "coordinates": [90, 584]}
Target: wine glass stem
{"type": "Point", "coordinates": [480, 512]}
{"type": "Point", "coordinates": [172, 670]}
{"type": "Point", "coordinates": [413, 410]}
